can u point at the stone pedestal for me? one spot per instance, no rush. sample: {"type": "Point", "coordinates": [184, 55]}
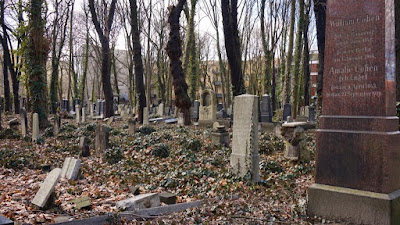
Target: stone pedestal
{"type": "Point", "coordinates": [220, 136]}
{"type": "Point", "coordinates": [358, 143]}
{"type": "Point", "coordinates": [244, 158]}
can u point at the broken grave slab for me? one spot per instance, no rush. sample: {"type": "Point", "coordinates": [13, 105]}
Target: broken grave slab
{"type": "Point", "coordinates": [141, 201]}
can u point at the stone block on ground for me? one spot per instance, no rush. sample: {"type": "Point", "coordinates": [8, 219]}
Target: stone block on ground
{"type": "Point", "coordinates": [83, 202]}
{"type": "Point", "coordinates": [168, 198]}
{"type": "Point", "coordinates": [141, 201]}
{"type": "Point", "coordinates": [46, 188]}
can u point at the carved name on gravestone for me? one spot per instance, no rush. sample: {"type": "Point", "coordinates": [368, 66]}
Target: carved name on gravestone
{"type": "Point", "coordinates": [358, 141]}
{"type": "Point", "coordinates": [244, 158]}
{"type": "Point", "coordinates": [46, 188]}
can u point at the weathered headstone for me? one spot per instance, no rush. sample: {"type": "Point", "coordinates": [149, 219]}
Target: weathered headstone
{"type": "Point", "coordinates": [181, 119]}
{"type": "Point", "coordinates": [78, 113]}
{"type": "Point", "coordinates": [91, 108]}
{"type": "Point", "coordinates": [287, 111]}
{"type": "Point", "coordinates": [35, 127]}
{"type": "Point", "coordinates": [160, 110]}
{"type": "Point", "coordinates": [24, 123]}
{"type": "Point", "coordinates": [219, 136]}
{"type": "Point", "coordinates": [131, 126]}
{"type": "Point", "coordinates": [84, 146]}
{"type": "Point", "coordinates": [140, 202]}
{"type": "Point", "coordinates": [311, 113]}
{"type": "Point", "coordinates": [57, 124]}
{"type": "Point", "coordinates": [47, 188]}
{"type": "Point", "coordinates": [208, 106]}
{"type": "Point", "coordinates": [357, 159]}
{"type": "Point", "coordinates": [145, 116]}
{"type": "Point", "coordinates": [244, 157]}
{"type": "Point", "coordinates": [65, 105]}
{"type": "Point", "coordinates": [83, 202]}
{"type": "Point", "coordinates": [83, 115]}
{"type": "Point", "coordinates": [266, 110]}
{"type": "Point", "coordinates": [196, 108]}
{"type": "Point", "coordinates": [102, 139]}
{"type": "Point", "coordinates": [70, 168]}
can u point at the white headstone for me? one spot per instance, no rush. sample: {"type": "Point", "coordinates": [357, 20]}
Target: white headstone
{"type": "Point", "coordinates": [70, 168]}
{"type": "Point", "coordinates": [160, 110]}
{"type": "Point", "coordinates": [145, 116]}
{"type": "Point", "coordinates": [35, 127]}
{"type": "Point", "coordinates": [244, 158]}
{"type": "Point", "coordinates": [83, 115]}
{"type": "Point", "coordinates": [46, 188]}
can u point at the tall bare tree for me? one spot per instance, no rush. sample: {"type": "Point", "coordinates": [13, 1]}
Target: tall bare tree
{"type": "Point", "coordinates": [288, 67]}
{"type": "Point", "coordinates": [174, 51]}
{"type": "Point", "coordinates": [104, 35]}
{"type": "Point", "coordinates": [232, 45]}
{"type": "Point", "coordinates": [137, 57]}
{"type": "Point", "coordinates": [320, 20]}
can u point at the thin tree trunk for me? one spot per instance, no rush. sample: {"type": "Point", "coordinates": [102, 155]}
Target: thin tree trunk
{"type": "Point", "coordinates": [137, 57]}
{"type": "Point", "coordinates": [306, 58]}
{"type": "Point", "coordinates": [320, 19]}
{"type": "Point", "coordinates": [288, 67]}
{"type": "Point", "coordinates": [6, 60]}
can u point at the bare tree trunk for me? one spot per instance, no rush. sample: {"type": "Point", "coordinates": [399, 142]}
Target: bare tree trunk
{"type": "Point", "coordinates": [85, 62]}
{"type": "Point", "coordinates": [137, 57]}
{"type": "Point", "coordinates": [232, 45]}
{"type": "Point", "coordinates": [288, 67]}
{"type": "Point", "coordinates": [174, 51]}
{"type": "Point", "coordinates": [306, 57]}
{"type": "Point", "coordinates": [320, 19]}
{"type": "Point", "coordinates": [104, 37]}
{"type": "Point", "coordinates": [6, 60]}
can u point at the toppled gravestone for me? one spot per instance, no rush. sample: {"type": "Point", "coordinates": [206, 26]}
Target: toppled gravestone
{"type": "Point", "coordinates": [141, 201]}
{"type": "Point", "coordinates": [168, 198]}
{"type": "Point", "coordinates": [46, 188]}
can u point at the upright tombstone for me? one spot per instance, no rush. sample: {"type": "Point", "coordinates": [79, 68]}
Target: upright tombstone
{"type": "Point", "coordinates": [311, 114]}
{"type": "Point", "coordinates": [83, 119]}
{"type": "Point", "coordinates": [145, 116]}
{"type": "Point", "coordinates": [208, 106]}
{"type": "Point", "coordinates": [196, 108]}
{"type": "Point", "coordinates": [84, 146]}
{"type": "Point", "coordinates": [65, 105]}
{"type": "Point", "coordinates": [287, 111]}
{"type": "Point", "coordinates": [266, 109]}
{"type": "Point", "coordinates": [244, 158]}
{"type": "Point", "coordinates": [358, 142]}
{"type": "Point", "coordinates": [102, 139]}
{"type": "Point", "coordinates": [35, 127]}
{"type": "Point", "coordinates": [160, 110]}
{"type": "Point", "coordinates": [78, 113]}
{"type": "Point", "coordinates": [24, 123]}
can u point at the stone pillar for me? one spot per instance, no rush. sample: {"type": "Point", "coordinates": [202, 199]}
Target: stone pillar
{"type": "Point", "coordinates": [358, 142]}
{"type": "Point", "coordinates": [24, 123]}
{"type": "Point", "coordinates": [160, 110]}
{"type": "Point", "coordinates": [102, 139]}
{"type": "Point", "coordinates": [78, 113]}
{"type": "Point", "coordinates": [35, 127]}
{"type": "Point", "coordinates": [244, 157]}
{"type": "Point", "coordinates": [145, 116]}
{"type": "Point", "coordinates": [83, 115]}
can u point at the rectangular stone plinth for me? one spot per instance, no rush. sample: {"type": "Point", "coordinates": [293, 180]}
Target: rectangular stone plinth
{"type": "Point", "coordinates": [362, 160]}
{"type": "Point", "coordinates": [354, 206]}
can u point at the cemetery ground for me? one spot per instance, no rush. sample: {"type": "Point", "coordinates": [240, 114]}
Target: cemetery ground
{"type": "Point", "coordinates": [157, 158]}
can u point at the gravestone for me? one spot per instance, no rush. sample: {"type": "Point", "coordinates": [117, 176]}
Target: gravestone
{"type": "Point", "coordinates": [91, 109]}
{"type": "Point", "coordinates": [266, 109]}
{"type": "Point", "coordinates": [131, 126]}
{"type": "Point", "coordinates": [311, 114]}
{"type": "Point", "coordinates": [46, 188]}
{"type": "Point", "coordinates": [219, 135]}
{"type": "Point", "coordinates": [102, 139]}
{"type": "Point", "coordinates": [145, 116]}
{"type": "Point", "coordinates": [181, 119]}
{"type": "Point", "coordinates": [24, 123]}
{"type": "Point", "coordinates": [70, 168]}
{"type": "Point", "coordinates": [287, 111]}
{"type": "Point", "coordinates": [196, 108]}
{"type": "Point", "coordinates": [57, 124]}
{"type": "Point", "coordinates": [65, 105]}
{"type": "Point", "coordinates": [84, 146]}
{"type": "Point", "coordinates": [208, 106]}
{"type": "Point", "coordinates": [244, 158]}
{"type": "Point", "coordinates": [160, 110]}
{"type": "Point", "coordinates": [35, 127]}
{"type": "Point", "coordinates": [78, 113]}
{"type": "Point", "coordinates": [357, 172]}
{"type": "Point", "coordinates": [219, 107]}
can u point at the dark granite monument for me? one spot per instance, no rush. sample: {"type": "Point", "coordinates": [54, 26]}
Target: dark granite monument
{"type": "Point", "coordinates": [266, 110]}
{"type": "Point", "coordinates": [287, 111]}
{"type": "Point", "coordinates": [358, 141]}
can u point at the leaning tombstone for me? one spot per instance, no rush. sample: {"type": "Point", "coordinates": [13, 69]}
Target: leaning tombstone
{"type": "Point", "coordinates": [70, 168]}
{"type": "Point", "coordinates": [84, 147]}
{"type": "Point", "coordinates": [47, 188]}
{"type": "Point", "coordinates": [35, 127]}
{"type": "Point", "coordinates": [102, 139]}
{"type": "Point", "coordinates": [357, 176]}
{"type": "Point", "coordinates": [24, 123]}
{"type": "Point", "coordinates": [244, 158]}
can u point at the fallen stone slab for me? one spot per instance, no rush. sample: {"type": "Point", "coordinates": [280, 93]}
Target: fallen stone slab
{"type": "Point", "coordinates": [141, 201]}
{"type": "Point", "coordinates": [168, 209]}
{"type": "Point", "coordinates": [171, 121]}
{"type": "Point", "coordinates": [83, 202]}
{"type": "Point", "coordinates": [168, 198]}
{"type": "Point", "coordinates": [156, 120]}
{"type": "Point", "coordinates": [46, 188]}
{"type": "Point", "coordinates": [5, 221]}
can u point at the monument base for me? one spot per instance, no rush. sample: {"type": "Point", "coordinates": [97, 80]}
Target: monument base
{"type": "Point", "coordinates": [355, 206]}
